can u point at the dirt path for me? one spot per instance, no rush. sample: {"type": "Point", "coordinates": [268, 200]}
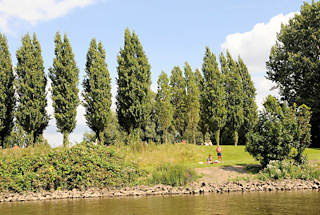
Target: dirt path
{"type": "Point", "coordinates": [221, 174]}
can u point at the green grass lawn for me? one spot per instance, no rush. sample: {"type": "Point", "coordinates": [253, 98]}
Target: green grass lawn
{"type": "Point", "coordinates": [150, 156]}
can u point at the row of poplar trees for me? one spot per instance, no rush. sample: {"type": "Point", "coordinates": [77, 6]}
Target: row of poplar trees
{"type": "Point", "coordinates": [210, 102]}
{"type": "Point", "coordinates": [23, 95]}
{"type": "Point", "coordinates": [184, 106]}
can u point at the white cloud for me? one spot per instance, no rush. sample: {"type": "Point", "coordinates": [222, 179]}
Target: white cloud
{"type": "Point", "coordinates": [254, 48]}
{"type": "Point", "coordinates": [34, 11]}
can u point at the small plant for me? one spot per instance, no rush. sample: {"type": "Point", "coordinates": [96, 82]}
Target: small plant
{"type": "Point", "coordinates": [174, 175]}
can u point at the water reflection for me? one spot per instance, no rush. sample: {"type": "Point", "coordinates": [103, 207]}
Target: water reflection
{"type": "Point", "coordinates": [293, 202]}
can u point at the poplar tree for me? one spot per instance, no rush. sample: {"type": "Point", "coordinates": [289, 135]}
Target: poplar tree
{"type": "Point", "coordinates": [178, 87]}
{"type": "Point", "coordinates": [97, 90]}
{"type": "Point", "coordinates": [31, 88]}
{"type": "Point", "coordinates": [250, 109]}
{"type": "Point", "coordinates": [214, 103]}
{"type": "Point", "coordinates": [202, 124]}
{"type": "Point", "coordinates": [234, 95]}
{"type": "Point", "coordinates": [134, 82]}
{"type": "Point", "coordinates": [192, 101]}
{"type": "Point", "coordinates": [64, 76]}
{"type": "Point", "coordinates": [7, 98]}
{"type": "Point", "coordinates": [164, 108]}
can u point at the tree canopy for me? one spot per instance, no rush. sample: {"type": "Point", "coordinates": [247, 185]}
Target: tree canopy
{"type": "Point", "coordinates": [97, 90]}
{"type": "Point", "coordinates": [214, 95]}
{"type": "Point", "coordinates": [7, 97]}
{"type": "Point", "coordinates": [294, 62]}
{"type": "Point", "coordinates": [31, 88]}
{"type": "Point", "coordinates": [164, 108]}
{"type": "Point", "coordinates": [64, 76]}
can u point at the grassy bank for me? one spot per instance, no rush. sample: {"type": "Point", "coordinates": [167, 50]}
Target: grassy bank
{"type": "Point", "coordinates": [149, 156]}
{"type": "Point", "coordinates": [85, 165]}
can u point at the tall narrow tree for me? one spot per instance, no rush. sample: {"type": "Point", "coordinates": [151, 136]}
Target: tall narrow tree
{"type": "Point", "coordinates": [164, 108]}
{"type": "Point", "coordinates": [7, 98]}
{"type": "Point", "coordinates": [192, 101]}
{"type": "Point", "coordinates": [31, 112]}
{"type": "Point", "coordinates": [234, 96]}
{"type": "Point", "coordinates": [202, 124]}
{"type": "Point", "coordinates": [250, 109]}
{"type": "Point", "coordinates": [134, 82]}
{"type": "Point", "coordinates": [213, 95]}
{"type": "Point", "coordinates": [178, 87]}
{"type": "Point", "coordinates": [64, 76]}
{"type": "Point", "coordinates": [97, 90]}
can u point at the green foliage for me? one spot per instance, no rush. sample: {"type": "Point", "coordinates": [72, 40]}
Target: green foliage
{"type": "Point", "coordinates": [163, 106]}
{"type": "Point", "coordinates": [80, 167]}
{"type": "Point", "coordinates": [18, 137]}
{"type": "Point", "coordinates": [7, 97]}
{"type": "Point", "coordinates": [64, 76]}
{"type": "Point", "coordinates": [250, 109]}
{"type": "Point", "coordinates": [133, 97]}
{"type": "Point", "coordinates": [113, 135]}
{"type": "Point", "coordinates": [234, 94]}
{"type": "Point", "coordinates": [213, 97]}
{"type": "Point", "coordinates": [280, 128]}
{"type": "Point", "coordinates": [97, 90]}
{"type": "Point", "coordinates": [192, 102]}
{"type": "Point", "coordinates": [178, 87]}
{"type": "Point", "coordinates": [287, 169]}
{"type": "Point", "coordinates": [31, 88]}
{"type": "Point", "coordinates": [202, 124]}
{"type": "Point", "coordinates": [150, 129]}
{"type": "Point", "coordinates": [294, 63]}
{"type": "Point", "coordinates": [173, 175]}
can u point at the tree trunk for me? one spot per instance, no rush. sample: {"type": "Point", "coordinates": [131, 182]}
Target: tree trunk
{"type": "Point", "coordinates": [236, 138]}
{"type": "Point", "coordinates": [194, 136]}
{"type": "Point", "coordinates": [217, 136]}
{"type": "Point", "coordinates": [166, 136]}
{"type": "Point", "coordinates": [101, 138]}
{"type": "Point", "coordinates": [65, 139]}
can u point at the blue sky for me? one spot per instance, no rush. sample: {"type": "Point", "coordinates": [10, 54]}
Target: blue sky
{"type": "Point", "coordinates": [171, 33]}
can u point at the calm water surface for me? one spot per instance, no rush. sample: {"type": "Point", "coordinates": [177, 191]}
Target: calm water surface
{"type": "Point", "coordinates": [294, 202]}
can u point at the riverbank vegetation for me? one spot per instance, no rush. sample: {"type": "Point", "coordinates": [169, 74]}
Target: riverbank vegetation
{"type": "Point", "coordinates": [85, 166]}
{"type": "Point", "coordinates": [81, 167]}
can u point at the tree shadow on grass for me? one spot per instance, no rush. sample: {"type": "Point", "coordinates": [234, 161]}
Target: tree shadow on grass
{"type": "Point", "coordinates": [243, 168]}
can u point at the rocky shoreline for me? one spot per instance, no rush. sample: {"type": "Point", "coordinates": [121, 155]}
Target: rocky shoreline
{"type": "Point", "coordinates": [194, 188]}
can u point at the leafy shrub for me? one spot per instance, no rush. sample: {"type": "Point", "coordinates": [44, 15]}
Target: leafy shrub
{"type": "Point", "coordinates": [81, 167]}
{"type": "Point", "coordinates": [282, 132]}
{"type": "Point", "coordinates": [287, 169]}
{"type": "Point", "coordinates": [174, 175]}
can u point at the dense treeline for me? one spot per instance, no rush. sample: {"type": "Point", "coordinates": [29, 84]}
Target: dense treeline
{"type": "Point", "coordinates": [216, 103]}
{"type": "Point", "coordinates": [190, 105]}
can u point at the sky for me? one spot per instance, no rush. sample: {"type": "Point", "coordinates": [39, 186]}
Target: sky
{"type": "Point", "coordinates": [171, 32]}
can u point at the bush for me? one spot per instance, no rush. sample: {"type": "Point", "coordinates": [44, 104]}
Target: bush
{"type": "Point", "coordinates": [173, 175]}
{"type": "Point", "coordinates": [287, 169]}
{"type": "Point", "coordinates": [282, 132]}
{"type": "Point", "coordinates": [81, 167]}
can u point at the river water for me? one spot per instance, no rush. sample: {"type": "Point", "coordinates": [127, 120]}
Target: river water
{"type": "Point", "coordinates": [292, 202]}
